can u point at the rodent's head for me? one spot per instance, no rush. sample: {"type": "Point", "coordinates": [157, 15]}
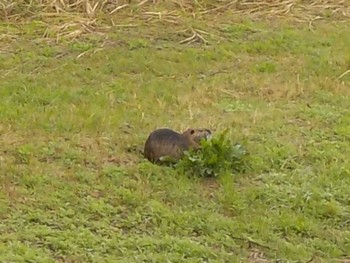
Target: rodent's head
{"type": "Point", "coordinates": [196, 135]}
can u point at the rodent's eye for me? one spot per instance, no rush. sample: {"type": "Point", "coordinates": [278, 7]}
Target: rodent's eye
{"type": "Point", "coordinates": [192, 131]}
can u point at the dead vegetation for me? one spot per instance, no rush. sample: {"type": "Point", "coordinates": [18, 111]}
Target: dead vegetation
{"type": "Point", "coordinates": [24, 9]}
{"type": "Point", "coordinates": [73, 18]}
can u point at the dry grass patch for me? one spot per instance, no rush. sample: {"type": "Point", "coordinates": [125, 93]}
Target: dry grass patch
{"type": "Point", "coordinates": [62, 19]}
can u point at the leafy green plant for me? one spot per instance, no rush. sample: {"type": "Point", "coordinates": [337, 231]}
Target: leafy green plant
{"type": "Point", "coordinates": [216, 156]}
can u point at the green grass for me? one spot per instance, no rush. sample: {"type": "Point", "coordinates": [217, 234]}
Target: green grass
{"type": "Point", "coordinates": [76, 188]}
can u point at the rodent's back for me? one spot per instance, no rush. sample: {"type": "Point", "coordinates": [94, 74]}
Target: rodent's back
{"type": "Point", "coordinates": [165, 142]}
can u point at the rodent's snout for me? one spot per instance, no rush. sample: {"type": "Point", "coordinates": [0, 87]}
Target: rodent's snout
{"type": "Point", "coordinates": [208, 135]}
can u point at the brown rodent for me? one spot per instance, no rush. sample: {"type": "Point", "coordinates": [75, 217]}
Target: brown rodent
{"type": "Point", "coordinates": [168, 143]}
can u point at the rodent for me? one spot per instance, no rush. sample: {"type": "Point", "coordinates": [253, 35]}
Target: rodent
{"type": "Point", "coordinates": [168, 143]}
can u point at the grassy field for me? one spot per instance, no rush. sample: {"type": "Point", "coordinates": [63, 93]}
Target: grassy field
{"type": "Point", "coordinates": [74, 116]}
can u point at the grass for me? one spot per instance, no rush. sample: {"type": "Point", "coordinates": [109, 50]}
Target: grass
{"type": "Point", "coordinates": [74, 116]}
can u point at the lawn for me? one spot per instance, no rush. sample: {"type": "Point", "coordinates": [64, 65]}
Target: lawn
{"type": "Point", "coordinates": [75, 113]}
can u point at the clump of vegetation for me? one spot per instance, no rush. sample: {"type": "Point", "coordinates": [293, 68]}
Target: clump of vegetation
{"type": "Point", "coordinates": [217, 156]}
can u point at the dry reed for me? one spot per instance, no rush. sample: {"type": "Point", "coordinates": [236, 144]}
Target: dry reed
{"type": "Point", "coordinates": [73, 18]}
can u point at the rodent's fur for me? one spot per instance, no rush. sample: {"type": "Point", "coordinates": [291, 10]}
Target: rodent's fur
{"type": "Point", "coordinates": [168, 143]}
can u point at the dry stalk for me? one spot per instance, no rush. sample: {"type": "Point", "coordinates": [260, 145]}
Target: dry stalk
{"type": "Point", "coordinates": [118, 8]}
{"type": "Point", "coordinates": [142, 2]}
{"type": "Point", "coordinates": [195, 37]}
{"type": "Point", "coordinates": [219, 7]}
{"type": "Point", "coordinates": [343, 74]}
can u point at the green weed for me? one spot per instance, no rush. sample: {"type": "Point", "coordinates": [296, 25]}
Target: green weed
{"type": "Point", "coordinates": [216, 156]}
